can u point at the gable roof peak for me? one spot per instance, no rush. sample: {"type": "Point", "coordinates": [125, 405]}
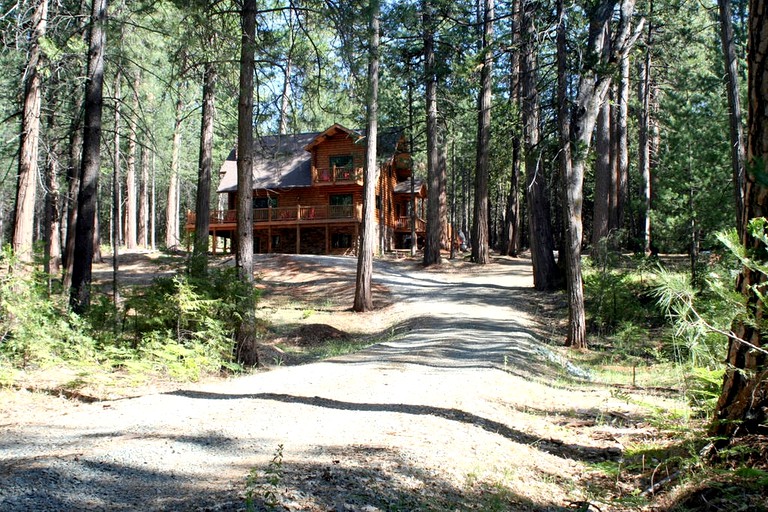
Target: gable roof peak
{"type": "Point", "coordinates": [332, 130]}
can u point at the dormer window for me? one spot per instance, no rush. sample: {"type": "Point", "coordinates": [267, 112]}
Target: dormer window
{"type": "Point", "coordinates": [341, 162]}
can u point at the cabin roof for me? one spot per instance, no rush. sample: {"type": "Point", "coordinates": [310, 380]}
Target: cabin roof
{"type": "Point", "coordinates": [285, 161]}
{"type": "Point", "coordinates": [404, 187]}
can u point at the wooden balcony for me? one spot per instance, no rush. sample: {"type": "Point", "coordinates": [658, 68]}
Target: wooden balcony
{"type": "Point", "coordinates": [291, 215]}
{"type": "Point", "coordinates": [404, 224]}
{"type": "Point", "coordinates": [337, 175]}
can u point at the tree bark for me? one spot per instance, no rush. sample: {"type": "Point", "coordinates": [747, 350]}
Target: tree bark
{"type": "Point", "coordinates": [605, 184]}
{"type": "Point", "coordinates": [545, 273]}
{"type": "Point", "coordinates": [363, 292]}
{"type": "Point", "coordinates": [734, 107]}
{"type": "Point", "coordinates": [480, 250]}
{"type": "Point", "coordinates": [73, 188]}
{"type": "Point", "coordinates": [621, 134]}
{"type": "Point", "coordinates": [742, 408]}
{"type": "Point", "coordinates": [26, 190]}
{"type": "Point", "coordinates": [434, 220]}
{"type": "Point", "coordinates": [80, 295]}
{"type": "Point", "coordinates": [199, 262]}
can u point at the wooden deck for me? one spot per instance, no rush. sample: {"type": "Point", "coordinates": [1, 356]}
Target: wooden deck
{"type": "Point", "coordinates": [222, 220]}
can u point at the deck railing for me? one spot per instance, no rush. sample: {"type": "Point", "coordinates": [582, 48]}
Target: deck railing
{"type": "Point", "coordinates": [330, 175]}
{"type": "Point", "coordinates": [286, 214]}
{"type": "Point", "coordinates": [405, 223]}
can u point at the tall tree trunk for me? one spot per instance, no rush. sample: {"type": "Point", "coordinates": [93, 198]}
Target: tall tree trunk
{"type": "Point", "coordinates": [23, 228]}
{"type": "Point", "coordinates": [153, 209]}
{"type": "Point", "coordinates": [80, 295]}
{"type": "Point", "coordinates": [644, 134]}
{"type": "Point", "coordinates": [246, 349]}
{"type": "Point", "coordinates": [621, 134]}
{"type": "Point", "coordinates": [245, 145]}
{"type": "Point", "coordinates": [199, 262]}
{"type": "Point", "coordinates": [144, 199]}
{"type": "Point", "coordinates": [52, 200]}
{"type": "Point", "coordinates": [285, 96]}
{"type": "Point", "coordinates": [734, 107]}
{"type": "Point", "coordinates": [131, 188]}
{"type": "Point", "coordinates": [116, 197]}
{"type": "Point", "coordinates": [480, 250]}
{"type": "Point", "coordinates": [434, 220]}
{"type": "Point", "coordinates": [172, 208]}
{"type": "Point", "coordinates": [363, 291]}
{"type": "Point", "coordinates": [545, 272]}
{"type": "Point", "coordinates": [743, 404]}
{"type": "Point", "coordinates": [511, 238]}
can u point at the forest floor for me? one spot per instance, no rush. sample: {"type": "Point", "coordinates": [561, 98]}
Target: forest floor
{"type": "Point", "coordinates": [461, 401]}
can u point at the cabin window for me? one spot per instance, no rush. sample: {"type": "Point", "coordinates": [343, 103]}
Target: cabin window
{"type": "Point", "coordinates": [264, 202]}
{"type": "Point", "coordinates": [341, 240]}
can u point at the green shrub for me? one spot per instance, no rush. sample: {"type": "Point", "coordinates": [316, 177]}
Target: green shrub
{"type": "Point", "coordinates": [185, 326]}
{"type": "Point", "coordinates": [36, 330]}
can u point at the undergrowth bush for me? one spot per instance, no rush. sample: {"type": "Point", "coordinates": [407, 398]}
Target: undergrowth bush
{"type": "Point", "coordinates": [184, 325]}
{"type": "Point", "coordinates": [180, 326]}
{"type": "Point", "coordinates": [648, 310]}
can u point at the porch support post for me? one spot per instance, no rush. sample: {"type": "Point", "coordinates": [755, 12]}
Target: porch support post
{"type": "Point", "coordinates": [327, 239]}
{"type": "Point", "coordinates": [269, 240]}
{"type": "Point", "coordinates": [213, 246]}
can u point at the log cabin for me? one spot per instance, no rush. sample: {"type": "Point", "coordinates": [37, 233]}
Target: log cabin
{"type": "Point", "coordinates": [308, 194]}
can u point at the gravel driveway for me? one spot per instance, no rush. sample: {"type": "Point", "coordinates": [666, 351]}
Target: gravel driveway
{"type": "Point", "coordinates": [457, 409]}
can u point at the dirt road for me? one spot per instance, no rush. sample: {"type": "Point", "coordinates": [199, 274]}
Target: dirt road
{"type": "Point", "coordinates": [458, 409]}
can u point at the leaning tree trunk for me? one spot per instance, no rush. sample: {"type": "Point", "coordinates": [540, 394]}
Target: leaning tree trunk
{"type": "Point", "coordinates": [743, 405]}
{"type": "Point", "coordinates": [593, 87]}
{"type": "Point", "coordinates": [363, 291]}
{"type": "Point", "coordinates": [199, 262]}
{"type": "Point", "coordinates": [80, 294]}
{"type": "Point", "coordinates": [734, 108]}
{"type": "Point", "coordinates": [434, 220]}
{"type": "Point", "coordinates": [545, 272]}
{"type": "Point", "coordinates": [480, 251]}
{"type": "Point", "coordinates": [24, 220]}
